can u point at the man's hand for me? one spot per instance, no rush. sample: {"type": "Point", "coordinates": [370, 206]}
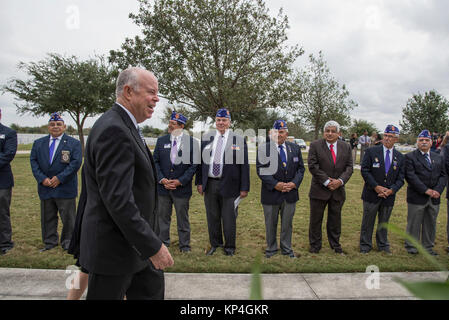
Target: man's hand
{"type": "Point", "coordinates": [279, 186]}
{"type": "Point", "coordinates": [381, 191]}
{"type": "Point", "coordinates": [200, 189]}
{"type": "Point", "coordinates": [334, 184]}
{"type": "Point", "coordinates": [172, 184]}
{"type": "Point", "coordinates": [46, 182]}
{"type": "Point", "coordinates": [162, 259]}
{"type": "Point", "coordinates": [54, 182]}
{"type": "Point", "coordinates": [289, 186]}
{"type": "Point", "coordinates": [243, 194]}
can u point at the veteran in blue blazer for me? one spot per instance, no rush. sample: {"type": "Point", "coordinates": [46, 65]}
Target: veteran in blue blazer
{"type": "Point", "coordinates": [383, 169]}
{"type": "Point", "coordinates": [223, 177]}
{"type": "Point", "coordinates": [426, 177]}
{"type": "Point", "coordinates": [8, 148]}
{"type": "Point", "coordinates": [55, 161]}
{"type": "Point", "coordinates": [280, 166]}
{"type": "Point", "coordinates": [176, 157]}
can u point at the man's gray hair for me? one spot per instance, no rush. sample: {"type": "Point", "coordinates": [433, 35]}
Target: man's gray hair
{"type": "Point", "coordinates": [128, 77]}
{"type": "Point", "coordinates": [332, 124]}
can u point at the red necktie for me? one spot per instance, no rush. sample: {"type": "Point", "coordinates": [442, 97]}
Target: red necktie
{"type": "Point", "coordinates": [333, 153]}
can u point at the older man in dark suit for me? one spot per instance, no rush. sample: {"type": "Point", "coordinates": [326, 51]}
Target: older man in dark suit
{"type": "Point", "coordinates": [120, 246]}
{"type": "Point", "coordinates": [281, 169]}
{"type": "Point", "coordinates": [426, 177]}
{"type": "Point", "coordinates": [223, 178]}
{"type": "Point", "coordinates": [55, 161]}
{"type": "Point", "coordinates": [383, 170]}
{"type": "Point", "coordinates": [330, 163]}
{"type": "Point", "coordinates": [174, 159]}
{"type": "Point", "coordinates": [8, 148]}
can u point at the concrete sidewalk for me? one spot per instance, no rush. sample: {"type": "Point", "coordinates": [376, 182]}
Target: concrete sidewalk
{"type": "Point", "coordinates": [32, 284]}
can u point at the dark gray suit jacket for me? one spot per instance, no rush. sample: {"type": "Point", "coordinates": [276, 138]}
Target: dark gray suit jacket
{"type": "Point", "coordinates": [321, 166]}
{"type": "Point", "coordinates": [119, 228]}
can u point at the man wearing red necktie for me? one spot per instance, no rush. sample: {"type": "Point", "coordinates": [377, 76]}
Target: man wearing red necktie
{"type": "Point", "coordinates": [330, 163]}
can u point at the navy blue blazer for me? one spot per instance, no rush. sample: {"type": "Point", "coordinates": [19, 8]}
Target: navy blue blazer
{"type": "Point", "coordinates": [421, 177]}
{"type": "Point", "coordinates": [8, 148]}
{"type": "Point", "coordinates": [183, 171]}
{"type": "Point", "coordinates": [294, 172]}
{"type": "Point", "coordinates": [66, 172]}
{"type": "Point", "coordinates": [373, 172]}
{"type": "Point", "coordinates": [235, 176]}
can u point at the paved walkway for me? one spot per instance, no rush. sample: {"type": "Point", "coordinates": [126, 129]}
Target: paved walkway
{"type": "Point", "coordinates": [32, 284]}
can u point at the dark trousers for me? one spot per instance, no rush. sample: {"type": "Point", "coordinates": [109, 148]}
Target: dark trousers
{"type": "Point", "coordinates": [447, 225]}
{"type": "Point", "coordinates": [148, 284]}
{"type": "Point", "coordinates": [333, 225]}
{"type": "Point", "coordinates": [421, 224]}
{"type": "Point", "coordinates": [49, 221]}
{"type": "Point", "coordinates": [182, 219]}
{"type": "Point", "coordinates": [5, 219]}
{"type": "Point", "coordinates": [221, 217]}
{"type": "Point", "coordinates": [370, 212]}
{"type": "Point", "coordinates": [271, 213]}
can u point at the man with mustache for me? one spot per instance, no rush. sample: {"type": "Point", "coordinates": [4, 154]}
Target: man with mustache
{"type": "Point", "coordinates": [426, 176]}
{"type": "Point", "coordinates": [330, 163]}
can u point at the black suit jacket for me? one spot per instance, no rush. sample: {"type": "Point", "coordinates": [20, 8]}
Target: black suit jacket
{"type": "Point", "coordinates": [184, 171]}
{"type": "Point", "coordinates": [235, 177]}
{"type": "Point", "coordinates": [119, 228]}
{"type": "Point", "coordinates": [294, 172]}
{"type": "Point", "coordinates": [8, 148]}
{"type": "Point", "coordinates": [421, 177]}
{"type": "Point", "coordinates": [321, 166]}
{"type": "Point", "coordinates": [373, 172]}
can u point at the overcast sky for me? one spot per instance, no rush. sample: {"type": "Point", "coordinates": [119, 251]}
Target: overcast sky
{"type": "Point", "coordinates": [384, 51]}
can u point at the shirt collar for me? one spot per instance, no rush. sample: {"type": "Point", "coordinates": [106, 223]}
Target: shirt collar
{"type": "Point", "coordinates": [385, 149]}
{"type": "Point", "coordinates": [57, 138]}
{"type": "Point", "coordinates": [133, 119]}
{"type": "Point", "coordinates": [225, 135]}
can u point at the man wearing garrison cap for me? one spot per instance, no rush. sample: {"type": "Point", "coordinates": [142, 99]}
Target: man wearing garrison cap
{"type": "Point", "coordinates": [175, 166]}
{"type": "Point", "coordinates": [55, 160]}
{"type": "Point", "coordinates": [223, 178]}
{"type": "Point", "coordinates": [8, 148]}
{"type": "Point", "coordinates": [281, 169]}
{"type": "Point", "coordinates": [426, 177]}
{"type": "Point", "coordinates": [383, 169]}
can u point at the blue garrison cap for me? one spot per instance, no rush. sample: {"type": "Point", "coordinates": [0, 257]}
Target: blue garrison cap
{"type": "Point", "coordinates": [55, 117]}
{"type": "Point", "coordinates": [425, 134]}
{"type": "Point", "coordinates": [223, 113]}
{"type": "Point", "coordinates": [178, 117]}
{"type": "Point", "coordinates": [280, 124]}
{"type": "Point", "coordinates": [391, 129]}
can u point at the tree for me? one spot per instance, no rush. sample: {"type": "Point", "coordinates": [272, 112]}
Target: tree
{"type": "Point", "coordinates": [211, 54]}
{"type": "Point", "coordinates": [425, 112]}
{"type": "Point", "coordinates": [65, 84]}
{"type": "Point", "coordinates": [319, 97]}
{"type": "Point", "coordinates": [359, 126]}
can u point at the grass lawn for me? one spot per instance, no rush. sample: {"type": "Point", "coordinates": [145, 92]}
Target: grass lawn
{"type": "Point", "coordinates": [25, 216]}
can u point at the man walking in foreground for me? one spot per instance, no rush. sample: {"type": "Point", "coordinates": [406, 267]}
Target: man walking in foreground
{"type": "Point", "coordinates": [119, 235]}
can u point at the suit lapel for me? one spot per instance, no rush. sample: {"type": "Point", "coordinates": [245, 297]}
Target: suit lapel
{"type": "Point", "coordinates": [57, 154]}
{"type": "Point", "coordinates": [46, 149]}
{"type": "Point", "coordinates": [327, 151]}
{"type": "Point", "coordinates": [133, 131]}
{"type": "Point", "coordinates": [421, 158]}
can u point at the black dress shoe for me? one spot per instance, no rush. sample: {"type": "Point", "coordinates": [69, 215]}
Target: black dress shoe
{"type": "Point", "coordinates": [46, 248]}
{"type": "Point", "coordinates": [184, 250]}
{"type": "Point", "coordinates": [364, 251]}
{"type": "Point", "coordinates": [229, 253]}
{"type": "Point", "coordinates": [340, 251]}
{"type": "Point", "coordinates": [413, 252]}
{"type": "Point", "coordinates": [433, 253]}
{"type": "Point", "coordinates": [5, 250]}
{"type": "Point", "coordinates": [386, 250]}
{"type": "Point", "coordinates": [211, 251]}
{"type": "Point", "coordinates": [291, 255]}
{"type": "Point", "coordinates": [313, 250]}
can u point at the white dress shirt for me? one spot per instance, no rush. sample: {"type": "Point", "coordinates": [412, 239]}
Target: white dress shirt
{"type": "Point", "coordinates": [335, 151]}
{"type": "Point", "coordinates": [57, 141]}
{"type": "Point", "coordinates": [214, 145]}
{"type": "Point", "coordinates": [133, 119]}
